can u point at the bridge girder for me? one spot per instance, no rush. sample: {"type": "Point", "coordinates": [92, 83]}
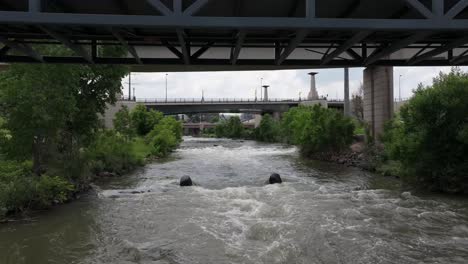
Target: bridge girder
{"type": "Point", "coordinates": [197, 35]}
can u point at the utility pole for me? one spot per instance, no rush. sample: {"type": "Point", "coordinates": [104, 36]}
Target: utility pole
{"type": "Point", "coordinates": [261, 85]}
{"type": "Point", "coordinates": [130, 86]}
{"type": "Point", "coordinates": [399, 88]}
{"type": "Point", "coordinates": [166, 87]}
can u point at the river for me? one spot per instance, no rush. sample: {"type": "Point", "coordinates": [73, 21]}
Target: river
{"type": "Point", "coordinates": [322, 213]}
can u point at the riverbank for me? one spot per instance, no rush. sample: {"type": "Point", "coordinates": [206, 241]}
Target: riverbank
{"type": "Point", "coordinates": [321, 211]}
{"type": "Point", "coordinates": [22, 192]}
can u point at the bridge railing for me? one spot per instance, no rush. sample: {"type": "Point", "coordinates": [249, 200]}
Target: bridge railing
{"type": "Point", "coordinates": [220, 100]}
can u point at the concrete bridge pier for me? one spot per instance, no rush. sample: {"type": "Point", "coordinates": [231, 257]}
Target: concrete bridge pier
{"type": "Point", "coordinates": [276, 116]}
{"type": "Point", "coordinates": [378, 98]}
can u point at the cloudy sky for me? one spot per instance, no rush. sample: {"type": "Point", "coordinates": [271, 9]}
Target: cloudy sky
{"type": "Point", "coordinates": [283, 84]}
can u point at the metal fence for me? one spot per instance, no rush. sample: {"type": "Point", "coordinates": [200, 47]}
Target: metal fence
{"type": "Point", "coordinates": [219, 100]}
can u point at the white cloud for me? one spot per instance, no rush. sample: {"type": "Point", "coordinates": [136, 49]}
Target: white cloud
{"type": "Point", "coordinates": [283, 84]}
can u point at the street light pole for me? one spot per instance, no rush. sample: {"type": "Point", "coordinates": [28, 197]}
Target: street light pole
{"type": "Point", "coordinates": [166, 86]}
{"type": "Point", "coordinates": [399, 88]}
{"type": "Point", "coordinates": [261, 86]}
{"type": "Point", "coordinates": [130, 86]}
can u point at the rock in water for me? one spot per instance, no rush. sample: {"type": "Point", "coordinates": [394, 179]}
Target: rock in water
{"type": "Point", "coordinates": [186, 181]}
{"type": "Point", "coordinates": [275, 178]}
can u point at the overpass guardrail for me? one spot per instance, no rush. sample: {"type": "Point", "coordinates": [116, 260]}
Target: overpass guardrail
{"type": "Point", "coordinates": [221, 100]}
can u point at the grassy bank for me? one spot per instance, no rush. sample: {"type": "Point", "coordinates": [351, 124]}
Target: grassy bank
{"type": "Point", "coordinates": [111, 153]}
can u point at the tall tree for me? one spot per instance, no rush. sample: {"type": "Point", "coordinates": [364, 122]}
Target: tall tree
{"type": "Point", "coordinates": [54, 108]}
{"type": "Point", "coordinates": [357, 103]}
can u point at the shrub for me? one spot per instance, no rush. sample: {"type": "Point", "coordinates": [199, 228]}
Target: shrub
{"type": "Point", "coordinates": [232, 128]}
{"type": "Point", "coordinates": [163, 142]}
{"type": "Point", "coordinates": [123, 122]}
{"type": "Point", "coordinates": [268, 130]}
{"type": "Point", "coordinates": [430, 136]}
{"type": "Point", "coordinates": [144, 120]}
{"type": "Point", "coordinates": [52, 190]}
{"type": "Point", "coordinates": [167, 123]}
{"type": "Point", "coordinates": [20, 189]}
{"type": "Point", "coordinates": [316, 129]}
{"type": "Point", "coordinates": [110, 152]}
{"type": "Point", "coordinates": [16, 186]}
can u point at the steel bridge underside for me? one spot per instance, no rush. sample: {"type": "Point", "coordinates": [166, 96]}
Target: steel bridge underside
{"type": "Point", "coordinates": [204, 35]}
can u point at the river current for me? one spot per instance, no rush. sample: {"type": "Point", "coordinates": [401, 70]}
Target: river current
{"type": "Point", "coordinates": [322, 213]}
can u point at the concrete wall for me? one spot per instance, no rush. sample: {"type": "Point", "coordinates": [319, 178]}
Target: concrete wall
{"type": "Point", "coordinates": [378, 98]}
{"type": "Point", "coordinates": [109, 115]}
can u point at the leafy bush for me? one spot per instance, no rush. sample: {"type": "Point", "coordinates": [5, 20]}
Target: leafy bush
{"type": "Point", "coordinates": [165, 136]}
{"type": "Point", "coordinates": [21, 190]}
{"type": "Point", "coordinates": [110, 152]}
{"type": "Point", "coordinates": [268, 130]}
{"type": "Point", "coordinates": [316, 129]}
{"type": "Point", "coordinates": [144, 120]}
{"type": "Point", "coordinates": [167, 123]}
{"type": "Point", "coordinates": [430, 137]}
{"type": "Point", "coordinates": [52, 190]}
{"type": "Point", "coordinates": [163, 142]}
{"type": "Point", "coordinates": [232, 128]}
{"type": "Point", "coordinates": [123, 122]}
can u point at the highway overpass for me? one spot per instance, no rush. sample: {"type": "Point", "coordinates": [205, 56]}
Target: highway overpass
{"type": "Point", "coordinates": [220, 35]}
{"type": "Point", "coordinates": [193, 106]}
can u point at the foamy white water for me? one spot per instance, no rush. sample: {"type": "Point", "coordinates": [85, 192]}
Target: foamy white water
{"type": "Point", "coordinates": [322, 213]}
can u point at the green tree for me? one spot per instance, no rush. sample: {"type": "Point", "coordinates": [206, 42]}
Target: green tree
{"type": "Point", "coordinates": [430, 136]}
{"type": "Point", "coordinates": [144, 120]}
{"type": "Point", "coordinates": [167, 123]}
{"type": "Point", "coordinates": [268, 130]}
{"type": "Point", "coordinates": [123, 122]}
{"type": "Point", "coordinates": [53, 109]}
{"type": "Point", "coordinates": [163, 142]}
{"type": "Point", "coordinates": [316, 129]}
{"type": "Point", "coordinates": [234, 127]}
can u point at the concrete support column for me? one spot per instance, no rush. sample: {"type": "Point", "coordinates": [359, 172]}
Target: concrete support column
{"type": "Point", "coordinates": [277, 116]}
{"type": "Point", "coordinates": [265, 93]}
{"type": "Point", "coordinates": [347, 111]}
{"type": "Point", "coordinates": [378, 98]}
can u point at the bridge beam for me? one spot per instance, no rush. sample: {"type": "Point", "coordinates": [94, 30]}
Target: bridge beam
{"type": "Point", "coordinates": [395, 47]}
{"type": "Point", "coordinates": [24, 48]}
{"type": "Point", "coordinates": [125, 44]}
{"type": "Point", "coordinates": [438, 51]}
{"type": "Point", "coordinates": [78, 49]}
{"type": "Point", "coordinates": [300, 36]}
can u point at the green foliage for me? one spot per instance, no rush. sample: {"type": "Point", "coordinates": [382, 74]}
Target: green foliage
{"type": "Point", "coordinates": [430, 136]}
{"type": "Point", "coordinates": [52, 190]}
{"type": "Point", "coordinates": [165, 136]}
{"type": "Point", "coordinates": [123, 122]}
{"type": "Point", "coordinates": [111, 152]}
{"type": "Point", "coordinates": [215, 119]}
{"type": "Point", "coordinates": [163, 142]}
{"type": "Point", "coordinates": [316, 129]}
{"type": "Point", "coordinates": [232, 128]}
{"type": "Point", "coordinates": [52, 108]}
{"type": "Point", "coordinates": [144, 120]}
{"type": "Point", "coordinates": [20, 189]}
{"type": "Point", "coordinates": [268, 130]}
{"type": "Point", "coordinates": [171, 124]}
{"type": "Point", "coordinates": [141, 149]}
